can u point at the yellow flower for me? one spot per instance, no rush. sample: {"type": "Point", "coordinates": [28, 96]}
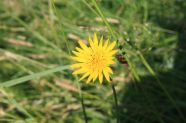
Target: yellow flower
{"type": "Point", "coordinates": [94, 61]}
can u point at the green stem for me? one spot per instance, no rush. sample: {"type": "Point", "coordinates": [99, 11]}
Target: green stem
{"type": "Point", "coordinates": [82, 101]}
{"type": "Point", "coordinates": [116, 101]}
{"type": "Point", "coordinates": [84, 111]}
{"type": "Point", "coordinates": [104, 19]}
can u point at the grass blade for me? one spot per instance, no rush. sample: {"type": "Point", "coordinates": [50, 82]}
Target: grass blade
{"type": "Point", "coordinates": [30, 77]}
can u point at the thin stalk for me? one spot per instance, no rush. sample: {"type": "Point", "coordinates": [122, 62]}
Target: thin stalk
{"type": "Point", "coordinates": [116, 102]}
{"type": "Point", "coordinates": [82, 101]}
{"type": "Point", "coordinates": [62, 28]}
{"type": "Point", "coordinates": [84, 111]}
{"type": "Point", "coordinates": [104, 19]}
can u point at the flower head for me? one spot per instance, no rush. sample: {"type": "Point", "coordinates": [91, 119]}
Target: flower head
{"type": "Point", "coordinates": [94, 61]}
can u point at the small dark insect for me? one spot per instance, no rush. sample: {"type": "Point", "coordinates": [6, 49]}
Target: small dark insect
{"type": "Point", "coordinates": [121, 59]}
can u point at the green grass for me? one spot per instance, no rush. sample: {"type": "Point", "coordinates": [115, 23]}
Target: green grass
{"type": "Point", "coordinates": [36, 39]}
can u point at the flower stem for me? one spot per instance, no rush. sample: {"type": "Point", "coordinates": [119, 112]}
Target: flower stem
{"type": "Point", "coordinates": [116, 101]}
{"type": "Point", "coordinates": [82, 101]}
{"type": "Point", "coordinates": [84, 111]}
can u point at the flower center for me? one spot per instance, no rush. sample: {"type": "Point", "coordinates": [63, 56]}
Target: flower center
{"type": "Point", "coordinates": [96, 61]}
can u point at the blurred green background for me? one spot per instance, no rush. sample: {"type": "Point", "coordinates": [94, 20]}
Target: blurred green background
{"type": "Point", "coordinates": [38, 35]}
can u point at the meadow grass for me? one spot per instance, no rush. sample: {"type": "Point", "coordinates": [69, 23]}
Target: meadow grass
{"type": "Point", "coordinates": [37, 36]}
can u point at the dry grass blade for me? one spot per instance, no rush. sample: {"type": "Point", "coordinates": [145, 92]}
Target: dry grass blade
{"type": "Point", "coordinates": [75, 37]}
{"type": "Point", "coordinates": [39, 56]}
{"type": "Point", "coordinates": [110, 20]}
{"type": "Point", "coordinates": [19, 42]}
{"type": "Point", "coordinates": [66, 84]}
{"type": "Point", "coordinates": [96, 29]}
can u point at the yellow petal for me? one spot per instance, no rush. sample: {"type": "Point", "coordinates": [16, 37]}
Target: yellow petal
{"type": "Point", "coordinates": [76, 65]}
{"type": "Point", "coordinates": [95, 40]}
{"type": "Point", "coordinates": [84, 76]}
{"type": "Point", "coordinates": [106, 44]}
{"type": "Point", "coordinates": [77, 53]}
{"type": "Point", "coordinates": [89, 78]}
{"type": "Point", "coordinates": [95, 76]}
{"type": "Point", "coordinates": [80, 71]}
{"type": "Point", "coordinates": [83, 46]}
{"type": "Point", "coordinates": [110, 62]}
{"type": "Point", "coordinates": [112, 45]}
{"type": "Point", "coordinates": [101, 42]}
{"type": "Point", "coordinates": [106, 74]}
{"type": "Point", "coordinates": [100, 77]}
{"type": "Point", "coordinates": [79, 49]}
{"type": "Point", "coordinates": [91, 42]}
{"type": "Point", "coordinates": [111, 53]}
{"type": "Point", "coordinates": [78, 59]}
{"type": "Point", "coordinates": [109, 70]}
